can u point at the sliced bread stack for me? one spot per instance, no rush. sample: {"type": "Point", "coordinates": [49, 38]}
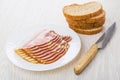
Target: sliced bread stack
{"type": "Point", "coordinates": [87, 18]}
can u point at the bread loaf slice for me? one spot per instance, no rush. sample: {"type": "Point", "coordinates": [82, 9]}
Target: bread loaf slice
{"type": "Point", "coordinates": [96, 18]}
{"type": "Point", "coordinates": [88, 31]}
{"type": "Point", "coordinates": [84, 11]}
{"type": "Point", "coordinates": [90, 20]}
{"type": "Point", "coordinates": [82, 25]}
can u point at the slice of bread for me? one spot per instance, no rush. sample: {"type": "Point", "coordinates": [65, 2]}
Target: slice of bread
{"type": "Point", "coordinates": [84, 11]}
{"type": "Point", "coordinates": [88, 32]}
{"type": "Point", "coordinates": [96, 18]}
{"type": "Point", "coordinates": [92, 19]}
{"type": "Point", "coordinates": [82, 25]}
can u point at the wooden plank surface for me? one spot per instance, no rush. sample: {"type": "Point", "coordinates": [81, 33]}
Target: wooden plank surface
{"type": "Point", "coordinates": [15, 14]}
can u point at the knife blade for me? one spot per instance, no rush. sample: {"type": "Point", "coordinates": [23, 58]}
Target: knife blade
{"type": "Point", "coordinates": [90, 54]}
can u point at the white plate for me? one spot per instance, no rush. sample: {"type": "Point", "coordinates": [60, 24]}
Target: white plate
{"type": "Point", "coordinates": [21, 35]}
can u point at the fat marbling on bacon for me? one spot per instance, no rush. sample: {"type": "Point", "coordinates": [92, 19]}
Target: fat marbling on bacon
{"type": "Point", "coordinates": [45, 48]}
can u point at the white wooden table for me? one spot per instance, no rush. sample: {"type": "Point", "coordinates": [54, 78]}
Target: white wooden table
{"type": "Point", "coordinates": [15, 14]}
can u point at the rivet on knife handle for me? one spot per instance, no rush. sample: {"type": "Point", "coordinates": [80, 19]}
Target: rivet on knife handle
{"type": "Point", "coordinates": [86, 59]}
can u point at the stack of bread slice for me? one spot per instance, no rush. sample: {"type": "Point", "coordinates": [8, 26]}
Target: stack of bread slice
{"type": "Point", "coordinates": [86, 18]}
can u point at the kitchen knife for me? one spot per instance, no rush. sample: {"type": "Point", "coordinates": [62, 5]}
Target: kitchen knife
{"type": "Point", "coordinates": [90, 54]}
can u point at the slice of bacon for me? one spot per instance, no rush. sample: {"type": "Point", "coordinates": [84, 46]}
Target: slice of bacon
{"type": "Point", "coordinates": [39, 48]}
{"type": "Point", "coordinates": [46, 48]}
{"type": "Point", "coordinates": [55, 55]}
{"type": "Point", "coordinates": [41, 38]}
{"type": "Point", "coordinates": [52, 56]}
{"type": "Point", "coordinates": [67, 38]}
{"type": "Point", "coordinates": [45, 52]}
{"type": "Point", "coordinates": [25, 56]}
{"type": "Point", "coordinates": [52, 52]}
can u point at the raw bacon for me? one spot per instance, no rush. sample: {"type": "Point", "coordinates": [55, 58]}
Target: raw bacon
{"type": "Point", "coordinates": [45, 48]}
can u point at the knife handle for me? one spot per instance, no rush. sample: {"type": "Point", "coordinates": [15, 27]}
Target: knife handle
{"type": "Point", "coordinates": [86, 59]}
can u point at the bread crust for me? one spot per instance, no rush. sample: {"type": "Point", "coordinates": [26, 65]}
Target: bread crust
{"type": "Point", "coordinates": [85, 16]}
{"type": "Point", "coordinates": [81, 25]}
{"type": "Point", "coordinates": [92, 19]}
{"type": "Point", "coordinates": [87, 32]}
{"type": "Point", "coordinates": [96, 18]}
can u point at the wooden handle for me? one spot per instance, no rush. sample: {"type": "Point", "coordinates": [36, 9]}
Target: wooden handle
{"type": "Point", "coordinates": [81, 65]}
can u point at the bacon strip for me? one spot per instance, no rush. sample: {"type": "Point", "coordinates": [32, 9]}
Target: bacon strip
{"type": "Point", "coordinates": [45, 44]}
{"type": "Point", "coordinates": [26, 56]}
{"type": "Point", "coordinates": [48, 52]}
{"type": "Point", "coordinates": [62, 51]}
{"type": "Point", "coordinates": [45, 52]}
{"type": "Point", "coordinates": [56, 57]}
{"type": "Point", "coordinates": [52, 52]}
{"type": "Point", "coordinates": [67, 38]}
{"type": "Point", "coordinates": [53, 43]}
{"type": "Point", "coordinates": [51, 55]}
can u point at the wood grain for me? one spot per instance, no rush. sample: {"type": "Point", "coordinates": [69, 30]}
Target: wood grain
{"type": "Point", "coordinates": [86, 59]}
{"type": "Point", "coordinates": [15, 14]}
